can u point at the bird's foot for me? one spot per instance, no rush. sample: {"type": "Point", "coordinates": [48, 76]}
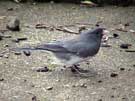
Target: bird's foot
{"type": "Point", "coordinates": [76, 69]}
{"type": "Point", "coordinates": [81, 72]}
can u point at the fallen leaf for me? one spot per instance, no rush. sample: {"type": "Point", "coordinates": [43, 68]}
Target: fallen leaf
{"type": "Point", "coordinates": [88, 3]}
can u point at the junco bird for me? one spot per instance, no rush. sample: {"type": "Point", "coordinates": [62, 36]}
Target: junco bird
{"type": "Point", "coordinates": [73, 51]}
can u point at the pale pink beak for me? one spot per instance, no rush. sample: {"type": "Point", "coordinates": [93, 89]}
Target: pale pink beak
{"type": "Point", "coordinates": [105, 35]}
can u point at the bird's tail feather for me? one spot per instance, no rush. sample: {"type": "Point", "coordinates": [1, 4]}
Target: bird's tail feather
{"type": "Point", "coordinates": [26, 48]}
{"type": "Point", "coordinates": [38, 47]}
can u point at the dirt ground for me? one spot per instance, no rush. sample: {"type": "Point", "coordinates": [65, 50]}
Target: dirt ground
{"type": "Point", "coordinates": [18, 80]}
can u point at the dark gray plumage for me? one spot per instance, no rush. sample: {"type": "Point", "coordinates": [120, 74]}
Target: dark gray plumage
{"type": "Point", "coordinates": [73, 51]}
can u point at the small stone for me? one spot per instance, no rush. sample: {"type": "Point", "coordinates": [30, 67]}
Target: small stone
{"type": "Point", "coordinates": [113, 88]}
{"type": "Point", "coordinates": [123, 98]}
{"type": "Point", "coordinates": [97, 25]}
{"type": "Point", "coordinates": [83, 85]}
{"type": "Point", "coordinates": [100, 81]}
{"type": "Point", "coordinates": [115, 35]}
{"type": "Point", "coordinates": [58, 80]}
{"type": "Point", "coordinates": [1, 55]}
{"type": "Point", "coordinates": [1, 79]}
{"type": "Point", "coordinates": [49, 88]}
{"type": "Point", "coordinates": [126, 24]}
{"type": "Point", "coordinates": [125, 46]}
{"type": "Point", "coordinates": [17, 53]}
{"type": "Point", "coordinates": [134, 65]}
{"type": "Point", "coordinates": [122, 69]}
{"type": "Point", "coordinates": [93, 83]}
{"type": "Point", "coordinates": [73, 85]}
{"type": "Point", "coordinates": [27, 53]}
{"type": "Point", "coordinates": [114, 75]}
{"type": "Point", "coordinates": [44, 69]}
{"type": "Point", "coordinates": [34, 98]}
{"type": "Point", "coordinates": [112, 96]}
{"type": "Point", "coordinates": [6, 56]}
{"type": "Point", "coordinates": [10, 9]}
{"type": "Point", "coordinates": [14, 24]}
{"type": "Point", "coordinates": [100, 100]}
{"type": "Point", "coordinates": [6, 45]}
{"type": "Point", "coordinates": [25, 80]}
{"type": "Point", "coordinates": [32, 85]}
{"type": "Point", "coordinates": [129, 69]}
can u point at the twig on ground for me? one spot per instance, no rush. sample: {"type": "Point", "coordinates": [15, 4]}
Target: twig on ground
{"type": "Point", "coordinates": [60, 28]}
{"type": "Point", "coordinates": [129, 50]}
{"type": "Point", "coordinates": [67, 30]}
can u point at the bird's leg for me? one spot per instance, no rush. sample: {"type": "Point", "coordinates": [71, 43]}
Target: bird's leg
{"type": "Point", "coordinates": [78, 70]}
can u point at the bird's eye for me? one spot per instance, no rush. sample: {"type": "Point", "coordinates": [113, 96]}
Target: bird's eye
{"type": "Point", "coordinates": [97, 33]}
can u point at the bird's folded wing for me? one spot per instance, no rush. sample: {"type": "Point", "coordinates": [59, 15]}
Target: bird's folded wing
{"type": "Point", "coordinates": [52, 47]}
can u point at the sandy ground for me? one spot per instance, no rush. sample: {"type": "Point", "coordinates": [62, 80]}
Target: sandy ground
{"type": "Point", "coordinates": [18, 80]}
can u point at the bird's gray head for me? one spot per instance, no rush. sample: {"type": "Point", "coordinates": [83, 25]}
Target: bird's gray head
{"type": "Point", "coordinates": [96, 33]}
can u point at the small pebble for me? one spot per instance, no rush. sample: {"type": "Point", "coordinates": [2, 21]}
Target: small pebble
{"type": "Point", "coordinates": [126, 24]}
{"type": "Point", "coordinates": [34, 98]}
{"type": "Point", "coordinates": [1, 79]}
{"type": "Point", "coordinates": [14, 24]}
{"type": "Point", "coordinates": [17, 53]}
{"type": "Point", "coordinates": [112, 96]}
{"type": "Point", "coordinates": [25, 80]}
{"type": "Point", "coordinates": [6, 56]}
{"type": "Point", "coordinates": [122, 69]}
{"type": "Point", "coordinates": [97, 25]}
{"type": "Point", "coordinates": [44, 69]}
{"type": "Point", "coordinates": [10, 9]}
{"type": "Point", "coordinates": [123, 98]}
{"type": "Point", "coordinates": [115, 35]}
{"type": "Point", "coordinates": [49, 88]}
{"type": "Point", "coordinates": [113, 88]}
{"type": "Point", "coordinates": [1, 55]}
{"type": "Point", "coordinates": [27, 53]}
{"type": "Point", "coordinates": [100, 100]}
{"type": "Point", "coordinates": [113, 75]}
{"type": "Point", "coordinates": [125, 46]}
{"type": "Point", "coordinates": [83, 85]}
{"type": "Point", "coordinates": [100, 81]}
{"type": "Point", "coordinates": [6, 45]}
{"type": "Point", "coordinates": [129, 69]}
{"type": "Point", "coordinates": [32, 85]}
